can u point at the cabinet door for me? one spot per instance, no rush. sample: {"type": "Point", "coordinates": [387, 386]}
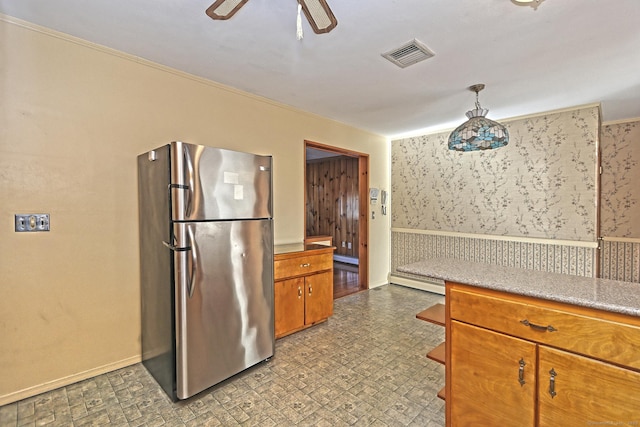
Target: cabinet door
{"type": "Point", "coordinates": [489, 386]}
{"type": "Point", "coordinates": [289, 305]}
{"type": "Point", "coordinates": [586, 391]}
{"type": "Point", "coordinates": [319, 297]}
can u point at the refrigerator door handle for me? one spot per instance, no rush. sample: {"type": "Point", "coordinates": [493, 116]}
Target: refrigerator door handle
{"type": "Point", "coordinates": [186, 197]}
{"type": "Point", "coordinates": [189, 187]}
{"type": "Point", "coordinates": [176, 248]}
{"type": "Point", "coordinates": [194, 262]}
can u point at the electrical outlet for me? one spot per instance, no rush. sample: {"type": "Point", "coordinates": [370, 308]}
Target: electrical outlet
{"type": "Point", "coordinates": [349, 245]}
{"type": "Point", "coordinates": [31, 222]}
{"type": "Point", "coordinates": [344, 244]}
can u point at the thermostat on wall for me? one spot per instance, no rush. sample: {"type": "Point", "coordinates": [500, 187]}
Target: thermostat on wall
{"type": "Point", "coordinates": [373, 195]}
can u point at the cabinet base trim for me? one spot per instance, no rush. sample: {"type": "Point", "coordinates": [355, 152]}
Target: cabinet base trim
{"type": "Point", "coordinates": [293, 331]}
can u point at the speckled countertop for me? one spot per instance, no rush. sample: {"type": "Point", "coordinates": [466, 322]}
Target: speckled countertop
{"type": "Point", "coordinates": [603, 294]}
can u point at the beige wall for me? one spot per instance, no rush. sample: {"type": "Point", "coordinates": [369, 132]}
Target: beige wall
{"type": "Point", "coordinates": [73, 118]}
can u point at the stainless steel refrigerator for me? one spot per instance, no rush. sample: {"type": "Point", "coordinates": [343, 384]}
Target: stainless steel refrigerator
{"type": "Point", "coordinates": [206, 264]}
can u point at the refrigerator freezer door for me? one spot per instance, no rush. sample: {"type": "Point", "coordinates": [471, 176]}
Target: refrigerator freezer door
{"type": "Point", "coordinates": [214, 184]}
{"type": "Point", "coordinates": [224, 300]}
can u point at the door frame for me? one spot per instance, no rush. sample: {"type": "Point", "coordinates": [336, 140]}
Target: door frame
{"type": "Point", "coordinates": [363, 204]}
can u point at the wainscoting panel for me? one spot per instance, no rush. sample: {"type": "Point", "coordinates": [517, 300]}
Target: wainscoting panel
{"type": "Point", "coordinates": [411, 246]}
{"type": "Point", "coordinates": [620, 260]}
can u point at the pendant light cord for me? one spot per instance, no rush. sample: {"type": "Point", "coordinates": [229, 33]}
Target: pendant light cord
{"type": "Point", "coordinates": [478, 107]}
{"type": "Point", "coordinates": [299, 33]}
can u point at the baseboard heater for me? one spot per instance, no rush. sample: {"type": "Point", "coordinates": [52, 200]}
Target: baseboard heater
{"type": "Point", "coordinates": [425, 284]}
{"type": "Point", "coordinates": [345, 259]}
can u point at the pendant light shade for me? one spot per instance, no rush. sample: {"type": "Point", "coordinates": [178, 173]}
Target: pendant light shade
{"type": "Point", "coordinates": [478, 133]}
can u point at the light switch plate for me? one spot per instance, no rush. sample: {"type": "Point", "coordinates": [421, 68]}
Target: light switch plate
{"type": "Point", "coordinates": [31, 222]}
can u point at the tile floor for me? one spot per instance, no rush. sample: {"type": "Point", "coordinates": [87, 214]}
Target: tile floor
{"type": "Point", "coordinates": [366, 366]}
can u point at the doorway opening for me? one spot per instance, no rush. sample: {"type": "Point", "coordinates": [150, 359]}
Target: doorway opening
{"type": "Point", "coordinates": [336, 210]}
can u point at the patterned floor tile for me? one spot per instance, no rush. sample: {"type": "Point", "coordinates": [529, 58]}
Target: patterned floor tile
{"type": "Point", "coordinates": [365, 366]}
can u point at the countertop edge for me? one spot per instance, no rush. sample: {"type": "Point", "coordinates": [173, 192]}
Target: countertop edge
{"type": "Point", "coordinates": [602, 294]}
{"type": "Point", "coordinates": [280, 251]}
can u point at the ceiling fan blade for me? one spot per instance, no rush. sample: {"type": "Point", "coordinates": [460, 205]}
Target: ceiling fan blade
{"type": "Point", "coordinates": [319, 15]}
{"type": "Point", "coordinates": [224, 9]}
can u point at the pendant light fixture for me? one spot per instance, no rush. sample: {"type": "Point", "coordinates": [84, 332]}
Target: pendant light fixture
{"type": "Point", "coordinates": [478, 133]}
{"type": "Point", "coordinates": [532, 3]}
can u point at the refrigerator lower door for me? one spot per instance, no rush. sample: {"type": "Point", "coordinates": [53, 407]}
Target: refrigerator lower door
{"type": "Point", "coordinates": [224, 300]}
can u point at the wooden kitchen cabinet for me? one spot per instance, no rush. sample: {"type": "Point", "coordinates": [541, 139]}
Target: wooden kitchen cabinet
{"type": "Point", "coordinates": [516, 360]}
{"type": "Point", "coordinates": [318, 305]}
{"type": "Point", "coordinates": [303, 288]}
{"type": "Point", "coordinates": [289, 305]}
{"type": "Point", "coordinates": [586, 391]}
{"type": "Point", "coordinates": [493, 383]}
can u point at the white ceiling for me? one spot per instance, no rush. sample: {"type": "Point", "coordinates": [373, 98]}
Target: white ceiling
{"type": "Point", "coordinates": [563, 54]}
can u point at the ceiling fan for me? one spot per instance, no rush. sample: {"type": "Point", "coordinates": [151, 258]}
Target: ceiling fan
{"type": "Point", "coordinates": [317, 12]}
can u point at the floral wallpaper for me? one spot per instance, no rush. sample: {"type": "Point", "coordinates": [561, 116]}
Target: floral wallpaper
{"type": "Point", "coordinates": [541, 185]}
{"type": "Point", "coordinates": [620, 197]}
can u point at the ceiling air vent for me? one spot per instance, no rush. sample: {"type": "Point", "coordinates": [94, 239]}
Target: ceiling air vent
{"type": "Point", "coordinates": [409, 54]}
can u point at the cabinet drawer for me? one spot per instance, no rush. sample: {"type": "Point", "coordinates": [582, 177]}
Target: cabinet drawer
{"type": "Point", "coordinates": [577, 332]}
{"type": "Point", "coordinates": [303, 265]}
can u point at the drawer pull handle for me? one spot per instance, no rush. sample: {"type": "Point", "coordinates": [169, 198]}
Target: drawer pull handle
{"type": "Point", "coordinates": [549, 328]}
{"type": "Point", "coordinates": [299, 292]}
{"type": "Point", "coordinates": [552, 383]}
{"type": "Point", "coordinates": [306, 264]}
{"type": "Point", "coordinates": [521, 372]}
{"type": "Point", "coordinates": [310, 290]}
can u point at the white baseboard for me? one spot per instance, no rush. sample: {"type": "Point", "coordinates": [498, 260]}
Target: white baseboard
{"type": "Point", "coordinates": [61, 382]}
{"type": "Point", "coordinates": [436, 287]}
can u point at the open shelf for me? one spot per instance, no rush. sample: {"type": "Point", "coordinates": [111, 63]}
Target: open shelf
{"type": "Point", "coordinates": [436, 315]}
{"type": "Point", "coordinates": [438, 354]}
{"type": "Point", "coordinates": [433, 314]}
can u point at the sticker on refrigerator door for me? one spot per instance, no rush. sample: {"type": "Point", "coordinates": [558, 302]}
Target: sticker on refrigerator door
{"type": "Point", "coordinates": [230, 178]}
{"type": "Point", "coordinates": [238, 192]}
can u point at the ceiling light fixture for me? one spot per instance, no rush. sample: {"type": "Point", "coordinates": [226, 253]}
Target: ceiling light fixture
{"type": "Point", "coordinates": [533, 3]}
{"type": "Point", "coordinates": [478, 133]}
